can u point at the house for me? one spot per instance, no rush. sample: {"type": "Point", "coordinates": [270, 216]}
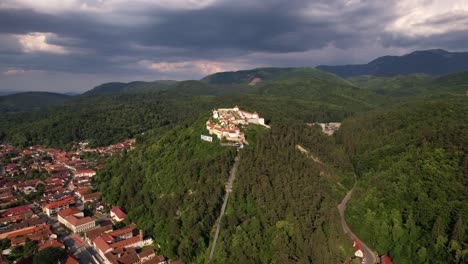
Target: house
{"type": "Point", "coordinates": [93, 234]}
{"type": "Point", "coordinates": [37, 233]}
{"type": "Point", "coordinates": [23, 226]}
{"type": "Point", "coordinates": [385, 260]}
{"type": "Point", "coordinates": [71, 259]}
{"type": "Point", "coordinates": [56, 206]}
{"type": "Point", "coordinates": [114, 251]}
{"type": "Point", "coordinates": [117, 214]}
{"type": "Point", "coordinates": [92, 197]}
{"type": "Point", "coordinates": [74, 219]}
{"type": "Point", "coordinates": [82, 191]}
{"type": "Point", "coordinates": [50, 243]}
{"type": "Point", "coordinates": [357, 248]}
{"type": "Point", "coordinates": [17, 210]}
{"type": "Point", "coordinates": [85, 173]}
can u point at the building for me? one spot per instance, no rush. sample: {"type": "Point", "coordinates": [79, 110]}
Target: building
{"type": "Point", "coordinates": [117, 214]}
{"type": "Point", "coordinates": [56, 206]}
{"type": "Point", "coordinates": [92, 197]}
{"type": "Point", "coordinates": [74, 219]}
{"type": "Point", "coordinates": [50, 243]}
{"type": "Point", "coordinates": [23, 209]}
{"type": "Point", "coordinates": [385, 259]}
{"type": "Point", "coordinates": [226, 122]}
{"type": "Point", "coordinates": [113, 245]}
{"type": "Point", "coordinates": [85, 173]}
{"type": "Point", "coordinates": [23, 226]}
{"type": "Point", "coordinates": [357, 248]}
{"type": "Point", "coordinates": [36, 233]}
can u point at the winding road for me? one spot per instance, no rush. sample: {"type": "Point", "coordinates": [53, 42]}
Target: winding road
{"type": "Point", "coordinates": [232, 176]}
{"type": "Point", "coordinates": [370, 257]}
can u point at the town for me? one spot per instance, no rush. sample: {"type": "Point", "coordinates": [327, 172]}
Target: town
{"type": "Point", "coordinates": [48, 201]}
{"type": "Point", "coordinates": [226, 123]}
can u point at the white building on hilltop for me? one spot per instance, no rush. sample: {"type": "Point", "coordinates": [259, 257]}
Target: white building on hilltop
{"type": "Point", "coordinates": [225, 122]}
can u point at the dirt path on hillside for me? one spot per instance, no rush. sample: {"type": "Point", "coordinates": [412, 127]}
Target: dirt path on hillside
{"type": "Point", "coordinates": [232, 176]}
{"type": "Point", "coordinates": [369, 256]}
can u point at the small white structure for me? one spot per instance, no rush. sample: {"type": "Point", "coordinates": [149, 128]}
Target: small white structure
{"type": "Point", "coordinates": [358, 249]}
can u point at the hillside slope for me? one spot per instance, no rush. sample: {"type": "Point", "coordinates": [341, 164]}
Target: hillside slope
{"type": "Point", "coordinates": [175, 189]}
{"type": "Point", "coordinates": [259, 75]}
{"type": "Point", "coordinates": [411, 163]}
{"type": "Point", "coordinates": [131, 87]}
{"type": "Point", "coordinates": [31, 101]}
{"type": "Point", "coordinates": [432, 62]}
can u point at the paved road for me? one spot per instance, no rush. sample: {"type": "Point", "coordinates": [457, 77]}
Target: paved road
{"type": "Point", "coordinates": [369, 256]}
{"type": "Point", "coordinates": [232, 176]}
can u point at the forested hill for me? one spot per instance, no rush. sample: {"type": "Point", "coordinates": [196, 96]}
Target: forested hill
{"type": "Point", "coordinates": [254, 76]}
{"type": "Point", "coordinates": [283, 205]}
{"type": "Point", "coordinates": [433, 62]}
{"type": "Point", "coordinates": [31, 100]}
{"type": "Point", "coordinates": [411, 162]}
{"type": "Point", "coordinates": [108, 118]}
{"type": "Point", "coordinates": [132, 87]}
{"type": "Point", "coordinates": [404, 137]}
{"type": "Point", "coordinates": [172, 187]}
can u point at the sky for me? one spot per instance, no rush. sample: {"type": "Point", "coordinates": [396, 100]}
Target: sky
{"type": "Point", "coordinates": [74, 45]}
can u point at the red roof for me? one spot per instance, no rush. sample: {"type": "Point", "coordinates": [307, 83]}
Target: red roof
{"type": "Point", "coordinates": [10, 166]}
{"type": "Point", "coordinates": [78, 221]}
{"type": "Point", "coordinates": [118, 212]}
{"type": "Point", "coordinates": [88, 171]}
{"type": "Point", "coordinates": [71, 260]}
{"type": "Point", "coordinates": [64, 201]}
{"type": "Point", "coordinates": [386, 260]}
{"type": "Point", "coordinates": [69, 211]}
{"type": "Point", "coordinates": [357, 245]}
{"type": "Point", "coordinates": [16, 210]}
{"type": "Point", "coordinates": [102, 245]}
{"type": "Point", "coordinates": [50, 243]}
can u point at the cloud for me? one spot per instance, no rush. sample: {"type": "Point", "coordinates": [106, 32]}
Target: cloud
{"type": "Point", "coordinates": [13, 71]}
{"type": "Point", "coordinates": [426, 18]}
{"type": "Point", "coordinates": [181, 39]}
{"type": "Point", "coordinates": [189, 67]}
{"type": "Point", "coordinates": [37, 42]}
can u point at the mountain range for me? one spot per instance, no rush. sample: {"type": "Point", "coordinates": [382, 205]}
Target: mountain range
{"type": "Point", "coordinates": [432, 62]}
{"type": "Point", "coordinates": [401, 144]}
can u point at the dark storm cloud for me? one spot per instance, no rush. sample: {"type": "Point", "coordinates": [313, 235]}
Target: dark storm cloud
{"type": "Point", "coordinates": [251, 34]}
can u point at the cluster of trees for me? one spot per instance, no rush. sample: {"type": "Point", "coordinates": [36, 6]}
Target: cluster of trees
{"type": "Point", "coordinates": [283, 209]}
{"type": "Point", "coordinates": [302, 94]}
{"type": "Point", "coordinates": [410, 159]}
{"type": "Point", "coordinates": [172, 187]}
{"type": "Point", "coordinates": [411, 162]}
{"type": "Point", "coordinates": [102, 120]}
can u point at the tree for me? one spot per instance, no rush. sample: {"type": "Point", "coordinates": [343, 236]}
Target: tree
{"type": "Point", "coordinates": [49, 255]}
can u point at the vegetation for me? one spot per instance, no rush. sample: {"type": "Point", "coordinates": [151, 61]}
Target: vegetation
{"type": "Point", "coordinates": [411, 197]}
{"type": "Point", "coordinates": [31, 100]}
{"type": "Point", "coordinates": [283, 206]}
{"type": "Point", "coordinates": [171, 186]}
{"type": "Point", "coordinates": [403, 137]}
{"type": "Point", "coordinates": [50, 255]}
{"type": "Point", "coordinates": [22, 253]}
{"type": "Point", "coordinates": [433, 62]}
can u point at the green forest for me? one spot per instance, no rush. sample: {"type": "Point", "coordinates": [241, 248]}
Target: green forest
{"type": "Point", "coordinates": [411, 162]}
{"type": "Point", "coordinates": [172, 187]}
{"type": "Point", "coordinates": [403, 138]}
